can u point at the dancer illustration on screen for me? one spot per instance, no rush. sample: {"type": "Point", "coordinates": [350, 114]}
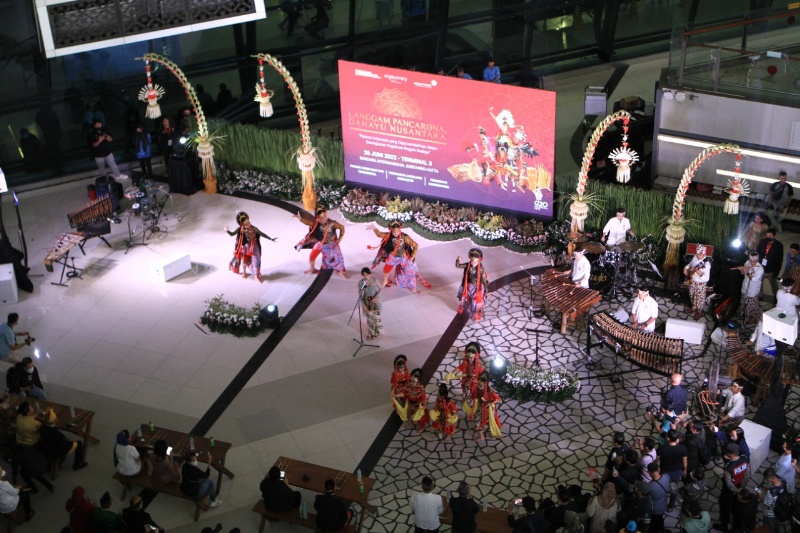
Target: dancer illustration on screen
{"type": "Point", "coordinates": [324, 236]}
{"type": "Point", "coordinates": [474, 285]}
{"type": "Point", "coordinates": [247, 252]}
{"type": "Point", "coordinates": [398, 252]}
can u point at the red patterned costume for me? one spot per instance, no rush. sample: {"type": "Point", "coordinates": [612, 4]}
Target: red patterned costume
{"type": "Point", "coordinates": [444, 415]}
{"type": "Point", "coordinates": [474, 285]}
{"type": "Point", "coordinates": [488, 400]}
{"type": "Point", "coordinates": [399, 381]}
{"type": "Point", "coordinates": [416, 400]}
{"type": "Point", "coordinates": [469, 370]}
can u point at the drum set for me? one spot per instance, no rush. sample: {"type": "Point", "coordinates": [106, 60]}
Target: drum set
{"type": "Point", "coordinates": [614, 268]}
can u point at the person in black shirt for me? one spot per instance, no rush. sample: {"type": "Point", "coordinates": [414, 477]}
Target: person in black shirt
{"type": "Point", "coordinates": [628, 473]}
{"type": "Point", "coordinates": [673, 461]}
{"type": "Point", "coordinates": [277, 495]}
{"type": "Point", "coordinates": [195, 483]}
{"type": "Point", "coordinates": [532, 521]}
{"type": "Point", "coordinates": [100, 140]}
{"type": "Point", "coordinates": [136, 518]}
{"type": "Point", "coordinates": [56, 446]}
{"type": "Point", "coordinates": [332, 513]}
{"type": "Point", "coordinates": [565, 504]}
{"type": "Point", "coordinates": [770, 255]}
{"type": "Point", "coordinates": [465, 510]}
{"type": "Point", "coordinates": [678, 394]}
{"type": "Point", "coordinates": [695, 445]}
{"type": "Point", "coordinates": [615, 456]}
{"type": "Point", "coordinates": [744, 512]}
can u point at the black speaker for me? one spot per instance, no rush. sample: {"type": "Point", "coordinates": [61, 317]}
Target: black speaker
{"type": "Point", "coordinates": [728, 282]}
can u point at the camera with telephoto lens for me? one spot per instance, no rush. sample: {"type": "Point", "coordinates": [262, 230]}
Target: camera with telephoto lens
{"type": "Point", "coordinates": [653, 410]}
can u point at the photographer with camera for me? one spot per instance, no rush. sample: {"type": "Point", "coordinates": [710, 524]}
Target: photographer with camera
{"type": "Point", "coordinates": [663, 419]}
{"type": "Point", "coordinates": [8, 339]}
{"type": "Point", "coordinates": [100, 143]}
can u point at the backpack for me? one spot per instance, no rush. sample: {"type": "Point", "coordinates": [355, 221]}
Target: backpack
{"type": "Point", "coordinates": [783, 506]}
{"type": "Point", "coordinates": [12, 381]}
{"type": "Point", "coordinates": [705, 453]}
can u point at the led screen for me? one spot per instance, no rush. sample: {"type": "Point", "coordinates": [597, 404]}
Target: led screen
{"type": "Point", "coordinates": [478, 143]}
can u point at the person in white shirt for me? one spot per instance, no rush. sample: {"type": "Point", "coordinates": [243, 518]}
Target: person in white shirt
{"type": "Point", "coordinates": [11, 497]}
{"type": "Point", "coordinates": [762, 343]}
{"type": "Point", "coordinates": [751, 288]}
{"type": "Point", "coordinates": [581, 269]}
{"type": "Point", "coordinates": [126, 456]}
{"type": "Point", "coordinates": [734, 408]}
{"type": "Point", "coordinates": [787, 302]}
{"type": "Point", "coordinates": [616, 229]}
{"type": "Point", "coordinates": [644, 312]}
{"type": "Point", "coordinates": [786, 466]}
{"type": "Point", "coordinates": [698, 271]}
{"type": "Point", "coordinates": [427, 507]}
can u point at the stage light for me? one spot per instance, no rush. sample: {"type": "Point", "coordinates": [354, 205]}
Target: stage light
{"type": "Point", "coordinates": [270, 316]}
{"type": "Point", "coordinates": [498, 366]}
{"type": "Point", "coordinates": [183, 140]}
{"type": "Point", "coordinates": [736, 243]}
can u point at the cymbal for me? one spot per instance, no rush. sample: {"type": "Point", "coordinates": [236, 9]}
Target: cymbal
{"type": "Point", "coordinates": [630, 246]}
{"type": "Point", "coordinates": [594, 247]}
{"type": "Point", "coordinates": [578, 237]}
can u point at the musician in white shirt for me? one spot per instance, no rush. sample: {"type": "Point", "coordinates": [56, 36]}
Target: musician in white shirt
{"type": "Point", "coordinates": [616, 229]}
{"type": "Point", "coordinates": [644, 312]}
{"type": "Point", "coordinates": [751, 288]}
{"type": "Point", "coordinates": [581, 269]}
{"type": "Point", "coordinates": [787, 302]}
{"type": "Point", "coordinates": [698, 271]}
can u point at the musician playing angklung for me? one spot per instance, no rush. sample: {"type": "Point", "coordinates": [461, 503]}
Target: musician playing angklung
{"type": "Point", "coordinates": [581, 269]}
{"type": "Point", "coordinates": [644, 312]}
{"type": "Point", "coordinates": [616, 229]}
{"type": "Point", "coordinates": [698, 272]}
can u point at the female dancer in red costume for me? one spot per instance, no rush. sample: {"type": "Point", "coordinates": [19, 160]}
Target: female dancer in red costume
{"type": "Point", "coordinates": [474, 285]}
{"type": "Point", "coordinates": [416, 400]}
{"type": "Point", "coordinates": [247, 252]}
{"type": "Point", "coordinates": [444, 415]}
{"type": "Point", "coordinates": [488, 400]}
{"type": "Point", "coordinates": [469, 370]}
{"type": "Point", "coordinates": [399, 381]}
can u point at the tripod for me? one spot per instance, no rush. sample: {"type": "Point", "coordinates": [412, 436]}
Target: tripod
{"type": "Point", "coordinates": [360, 339]}
{"type": "Point", "coordinates": [536, 344]}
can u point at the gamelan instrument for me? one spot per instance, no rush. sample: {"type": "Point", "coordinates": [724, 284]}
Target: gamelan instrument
{"type": "Point", "coordinates": [651, 351]}
{"type": "Point", "coordinates": [757, 369]}
{"type": "Point", "coordinates": [571, 301]}
{"type": "Point", "coordinates": [93, 220]}
{"type": "Point", "coordinates": [59, 253]}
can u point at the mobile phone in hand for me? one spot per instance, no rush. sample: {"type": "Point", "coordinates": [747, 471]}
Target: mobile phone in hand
{"type": "Point", "coordinates": [283, 474]}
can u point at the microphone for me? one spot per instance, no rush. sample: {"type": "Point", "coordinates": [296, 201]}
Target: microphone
{"type": "Point", "coordinates": [363, 285]}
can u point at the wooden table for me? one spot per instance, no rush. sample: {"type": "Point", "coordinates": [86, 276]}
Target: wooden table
{"type": "Point", "coordinates": [80, 424]}
{"type": "Point", "coordinates": [180, 445]}
{"type": "Point", "coordinates": [489, 521]}
{"type": "Point", "coordinates": [312, 477]}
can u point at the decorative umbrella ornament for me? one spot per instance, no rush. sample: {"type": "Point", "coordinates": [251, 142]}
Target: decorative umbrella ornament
{"type": "Point", "coordinates": [151, 93]}
{"type": "Point", "coordinates": [623, 157]}
{"type": "Point", "coordinates": [735, 188]}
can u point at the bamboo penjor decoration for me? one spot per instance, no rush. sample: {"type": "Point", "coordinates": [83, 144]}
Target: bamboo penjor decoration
{"type": "Point", "coordinates": [306, 155]}
{"type": "Point", "coordinates": [579, 209]}
{"type": "Point", "coordinates": [151, 93]}
{"type": "Point", "coordinates": [676, 229]}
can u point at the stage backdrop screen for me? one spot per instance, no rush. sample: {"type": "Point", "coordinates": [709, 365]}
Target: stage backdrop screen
{"type": "Point", "coordinates": [479, 143]}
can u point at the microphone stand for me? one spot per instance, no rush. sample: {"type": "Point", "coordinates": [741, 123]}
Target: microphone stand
{"type": "Point", "coordinates": [531, 313]}
{"type": "Point", "coordinates": [360, 339]}
{"type": "Point", "coordinates": [536, 344]}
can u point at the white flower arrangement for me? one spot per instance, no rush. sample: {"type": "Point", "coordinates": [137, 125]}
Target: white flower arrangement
{"type": "Point", "coordinates": [222, 316]}
{"type": "Point", "coordinates": [442, 228]}
{"type": "Point", "coordinates": [389, 216]}
{"type": "Point", "coordinates": [538, 384]}
{"type": "Point", "coordinates": [525, 240]}
{"type": "Point", "coordinates": [487, 235]}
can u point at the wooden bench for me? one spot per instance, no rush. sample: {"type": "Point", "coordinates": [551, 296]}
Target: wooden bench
{"type": "Point", "coordinates": [292, 516]}
{"type": "Point", "coordinates": [173, 489]}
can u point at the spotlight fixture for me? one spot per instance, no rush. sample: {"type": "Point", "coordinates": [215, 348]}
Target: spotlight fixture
{"type": "Point", "coordinates": [183, 140]}
{"type": "Point", "coordinates": [498, 366]}
{"type": "Point", "coordinates": [270, 316]}
{"type": "Point", "coordinates": [736, 243]}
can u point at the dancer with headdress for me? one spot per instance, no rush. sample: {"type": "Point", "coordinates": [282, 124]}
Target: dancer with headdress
{"type": "Point", "coordinates": [444, 415]}
{"type": "Point", "coordinates": [398, 252]}
{"type": "Point", "coordinates": [247, 251]}
{"type": "Point", "coordinates": [416, 400]}
{"type": "Point", "coordinates": [469, 370]}
{"type": "Point", "coordinates": [324, 236]}
{"type": "Point", "coordinates": [474, 285]}
{"type": "Point", "coordinates": [399, 381]}
{"type": "Point", "coordinates": [488, 401]}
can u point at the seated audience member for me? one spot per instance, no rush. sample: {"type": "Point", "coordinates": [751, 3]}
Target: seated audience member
{"type": "Point", "coordinates": [27, 425]}
{"type": "Point", "coordinates": [137, 519]}
{"type": "Point", "coordinates": [11, 498]}
{"type": "Point", "coordinates": [126, 456]}
{"type": "Point", "coordinates": [465, 510]}
{"type": "Point", "coordinates": [163, 470]}
{"type": "Point", "coordinates": [26, 380]}
{"type": "Point", "coordinates": [80, 511]}
{"type": "Point", "coordinates": [31, 464]}
{"type": "Point", "coordinates": [104, 520]}
{"type": "Point", "coordinates": [332, 512]}
{"type": "Point", "coordinates": [694, 519]}
{"type": "Point", "coordinates": [277, 495]}
{"type": "Point", "coordinates": [56, 446]}
{"type": "Point", "coordinates": [196, 483]}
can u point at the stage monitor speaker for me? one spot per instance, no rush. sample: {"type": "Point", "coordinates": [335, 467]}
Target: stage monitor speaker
{"type": "Point", "coordinates": [174, 266]}
{"type": "Point", "coordinates": [8, 284]}
{"type": "Point", "coordinates": [780, 326]}
{"type": "Point", "coordinates": [691, 332]}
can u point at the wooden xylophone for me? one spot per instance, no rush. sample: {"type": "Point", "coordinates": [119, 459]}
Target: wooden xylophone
{"type": "Point", "coordinates": [571, 301]}
{"type": "Point", "coordinates": [790, 371]}
{"type": "Point", "coordinates": [651, 351]}
{"type": "Point", "coordinates": [65, 242]}
{"type": "Point", "coordinates": [756, 369]}
{"type": "Point", "coordinates": [93, 220]}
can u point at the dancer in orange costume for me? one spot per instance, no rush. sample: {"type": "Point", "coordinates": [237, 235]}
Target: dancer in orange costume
{"type": "Point", "coordinates": [416, 400]}
{"type": "Point", "coordinates": [469, 370]}
{"type": "Point", "coordinates": [488, 400]}
{"type": "Point", "coordinates": [399, 381]}
{"type": "Point", "coordinates": [444, 415]}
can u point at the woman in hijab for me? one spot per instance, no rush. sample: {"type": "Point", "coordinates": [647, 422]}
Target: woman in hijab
{"type": "Point", "coordinates": [603, 507]}
{"type": "Point", "coordinates": [80, 511]}
{"type": "Point", "coordinates": [126, 456]}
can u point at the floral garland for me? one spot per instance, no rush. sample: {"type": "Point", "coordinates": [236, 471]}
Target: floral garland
{"type": "Point", "coordinates": [402, 216]}
{"type": "Point", "coordinates": [537, 384]}
{"type": "Point", "coordinates": [222, 316]}
{"type": "Point", "coordinates": [441, 227]}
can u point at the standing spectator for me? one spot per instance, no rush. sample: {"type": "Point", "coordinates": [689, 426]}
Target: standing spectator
{"type": "Point", "coordinates": [639, 508]}
{"type": "Point", "coordinates": [529, 522]}
{"type": "Point", "coordinates": [735, 475]}
{"type": "Point", "coordinates": [461, 74]}
{"type": "Point", "coordinates": [770, 255]}
{"type": "Point", "coordinates": [31, 147]}
{"type": "Point", "coordinates": [673, 462]}
{"type": "Point", "coordinates": [780, 194]}
{"type": "Point", "coordinates": [137, 519]}
{"type": "Point", "coordinates": [291, 11]}
{"type": "Point", "coordinates": [56, 446]}
{"type": "Point", "coordinates": [628, 473]}
{"type": "Point", "coordinates": [164, 136]}
{"type": "Point", "coordinates": [491, 73]}
{"type": "Point", "coordinates": [277, 495]}
{"type": "Point", "coordinates": [695, 443]}
{"type": "Point", "coordinates": [603, 508]}
{"type": "Point", "coordinates": [80, 511]}
{"type": "Point", "coordinates": [205, 99]}
{"type": "Point", "coordinates": [224, 97]}
{"type": "Point", "coordinates": [104, 520]}
{"type": "Point", "coordinates": [100, 143]}
{"type": "Point", "coordinates": [694, 488]}
{"type": "Point", "coordinates": [660, 494]}
{"type": "Point", "coordinates": [426, 507]}
{"type": "Point", "coordinates": [776, 487]}
{"type": "Point", "coordinates": [11, 498]}
{"type": "Point", "coordinates": [126, 456]}
{"type": "Point", "coordinates": [565, 504]}
{"type": "Point", "coordinates": [319, 21]}
{"type": "Point", "coordinates": [785, 466]}
{"type": "Point", "coordinates": [694, 519]}
{"type": "Point", "coordinates": [196, 483]}
{"type": "Point", "coordinates": [465, 510]}
{"type": "Point", "coordinates": [678, 394]}
{"type": "Point", "coordinates": [792, 260]}
{"type": "Point", "coordinates": [332, 512]}
{"type": "Point", "coordinates": [142, 145]}
{"type": "Point", "coordinates": [28, 382]}
{"type": "Point", "coordinates": [755, 231]}
{"type": "Point", "coordinates": [751, 288]}
{"type": "Point", "coordinates": [744, 512]}
{"type": "Point", "coordinates": [618, 447]}
{"type": "Point", "coordinates": [649, 454]}
{"type": "Point", "coordinates": [8, 339]}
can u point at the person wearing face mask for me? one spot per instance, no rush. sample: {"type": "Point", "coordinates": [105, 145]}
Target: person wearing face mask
{"type": "Point", "coordinates": [196, 483]}
{"type": "Point", "coordinates": [770, 255]}
{"type": "Point", "coordinates": [469, 370]}
{"type": "Point", "coordinates": [100, 143]}
{"type": "Point", "coordinates": [751, 288]}
{"type": "Point", "coordinates": [247, 252]}
{"type": "Point", "coordinates": [398, 252]}
{"type": "Point", "coordinates": [27, 380]}
{"type": "Point", "coordinates": [12, 497]}
{"type": "Point", "coordinates": [474, 286]}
